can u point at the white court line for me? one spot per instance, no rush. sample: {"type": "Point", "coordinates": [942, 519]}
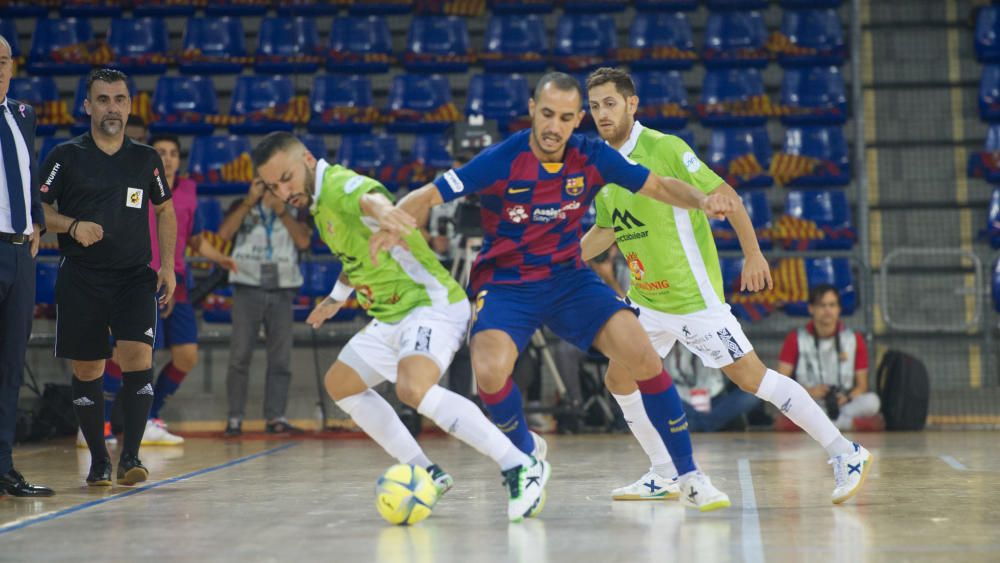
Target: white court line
{"type": "Point", "coordinates": [753, 547]}
{"type": "Point", "coordinates": [954, 463]}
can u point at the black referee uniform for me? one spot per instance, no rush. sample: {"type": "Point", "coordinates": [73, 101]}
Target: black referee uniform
{"type": "Point", "coordinates": [107, 285]}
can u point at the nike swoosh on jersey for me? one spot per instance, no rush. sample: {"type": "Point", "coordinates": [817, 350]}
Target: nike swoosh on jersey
{"type": "Point", "coordinates": [517, 190]}
{"type": "Point", "coordinates": [673, 422]}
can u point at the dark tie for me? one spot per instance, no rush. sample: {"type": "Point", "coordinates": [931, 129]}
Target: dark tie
{"type": "Point", "coordinates": [15, 188]}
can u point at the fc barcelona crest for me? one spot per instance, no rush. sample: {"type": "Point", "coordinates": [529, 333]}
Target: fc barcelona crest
{"type": "Point", "coordinates": [574, 185]}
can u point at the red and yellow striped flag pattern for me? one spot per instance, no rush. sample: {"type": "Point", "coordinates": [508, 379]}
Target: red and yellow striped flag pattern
{"type": "Point", "coordinates": [53, 112]}
{"type": "Point", "coordinates": [446, 113]}
{"type": "Point", "coordinates": [787, 167]}
{"type": "Point", "coordinates": [790, 286]}
{"type": "Point", "coordinates": [451, 7]}
{"type": "Point", "coordinates": [780, 44]}
{"type": "Point", "coordinates": [222, 245]}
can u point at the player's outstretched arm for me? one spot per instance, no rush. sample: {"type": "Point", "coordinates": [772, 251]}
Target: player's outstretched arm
{"type": "Point", "coordinates": [390, 217]}
{"type": "Point", "coordinates": [329, 307]}
{"type": "Point", "coordinates": [419, 202]}
{"type": "Point", "coordinates": [596, 241]}
{"type": "Point", "coordinates": [679, 193]}
{"type": "Point", "coordinates": [756, 274]}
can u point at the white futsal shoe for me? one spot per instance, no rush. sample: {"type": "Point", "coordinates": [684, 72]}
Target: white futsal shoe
{"type": "Point", "coordinates": [541, 447]}
{"type": "Point", "coordinates": [526, 489]}
{"type": "Point", "coordinates": [651, 486]}
{"type": "Point", "coordinates": [697, 491]}
{"type": "Point", "coordinates": [849, 472]}
{"type": "Point", "coordinates": [156, 434]}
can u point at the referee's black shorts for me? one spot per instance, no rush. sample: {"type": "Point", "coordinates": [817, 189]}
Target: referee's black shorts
{"type": "Point", "coordinates": [90, 301]}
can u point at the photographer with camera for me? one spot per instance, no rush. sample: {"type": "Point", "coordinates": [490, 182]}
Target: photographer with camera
{"type": "Point", "coordinates": [831, 362]}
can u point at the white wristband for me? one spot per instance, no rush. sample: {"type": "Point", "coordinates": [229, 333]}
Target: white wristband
{"type": "Point", "coordinates": [341, 291]}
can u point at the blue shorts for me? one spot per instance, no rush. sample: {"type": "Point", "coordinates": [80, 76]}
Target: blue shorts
{"type": "Point", "coordinates": [179, 328]}
{"type": "Point", "coordinates": [574, 304]}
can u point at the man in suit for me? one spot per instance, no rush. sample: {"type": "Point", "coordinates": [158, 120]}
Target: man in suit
{"type": "Point", "coordinates": [21, 224]}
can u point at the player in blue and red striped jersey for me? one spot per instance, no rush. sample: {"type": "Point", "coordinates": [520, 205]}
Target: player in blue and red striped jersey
{"type": "Point", "coordinates": [534, 188]}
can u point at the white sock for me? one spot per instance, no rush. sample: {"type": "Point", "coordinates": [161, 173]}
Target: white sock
{"type": "Point", "coordinates": [646, 434]}
{"type": "Point", "coordinates": [462, 419]}
{"type": "Point", "coordinates": [377, 418]}
{"type": "Point", "coordinates": [793, 400]}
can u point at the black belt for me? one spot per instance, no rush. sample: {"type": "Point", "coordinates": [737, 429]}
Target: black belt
{"type": "Point", "coordinates": [14, 239]}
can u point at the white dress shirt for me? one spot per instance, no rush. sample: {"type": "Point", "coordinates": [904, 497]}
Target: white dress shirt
{"type": "Point", "coordinates": [24, 160]}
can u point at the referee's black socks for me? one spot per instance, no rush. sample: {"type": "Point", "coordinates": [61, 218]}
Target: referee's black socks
{"type": "Point", "coordinates": [136, 397]}
{"type": "Point", "coordinates": [88, 404]}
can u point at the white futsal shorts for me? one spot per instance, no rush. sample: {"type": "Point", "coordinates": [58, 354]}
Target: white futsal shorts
{"type": "Point", "coordinates": [435, 332]}
{"type": "Point", "coordinates": [714, 334]}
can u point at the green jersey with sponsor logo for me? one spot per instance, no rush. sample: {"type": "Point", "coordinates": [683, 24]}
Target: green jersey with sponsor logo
{"type": "Point", "coordinates": [670, 251]}
{"type": "Point", "coordinates": [404, 279]}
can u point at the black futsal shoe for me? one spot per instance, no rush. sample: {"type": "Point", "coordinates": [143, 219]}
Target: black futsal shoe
{"type": "Point", "coordinates": [131, 471]}
{"type": "Point", "coordinates": [13, 484]}
{"type": "Point", "coordinates": [100, 473]}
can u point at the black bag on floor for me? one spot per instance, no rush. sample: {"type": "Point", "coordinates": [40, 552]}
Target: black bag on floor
{"type": "Point", "coordinates": [905, 390]}
{"type": "Point", "coordinates": [55, 416]}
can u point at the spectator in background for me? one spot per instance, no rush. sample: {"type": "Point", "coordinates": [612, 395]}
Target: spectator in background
{"type": "Point", "coordinates": [267, 238]}
{"type": "Point", "coordinates": [831, 362]}
{"type": "Point", "coordinates": [710, 404]}
{"type": "Point", "coordinates": [135, 129]}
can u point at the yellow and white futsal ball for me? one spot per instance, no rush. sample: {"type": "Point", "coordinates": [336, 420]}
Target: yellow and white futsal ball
{"type": "Point", "coordinates": [405, 494]}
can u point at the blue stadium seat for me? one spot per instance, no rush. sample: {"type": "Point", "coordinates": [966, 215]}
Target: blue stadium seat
{"type": "Point", "coordinates": [432, 151]}
{"type": "Point", "coordinates": [25, 9]}
{"type": "Point", "coordinates": [218, 306]}
{"type": "Point", "coordinates": [666, 5]}
{"type": "Point", "coordinates": [8, 28]}
{"type": "Point", "coordinates": [502, 97]}
{"type": "Point", "coordinates": [592, 6]}
{"type": "Point", "coordinates": [316, 145]}
{"type": "Point", "coordinates": [520, 6]}
{"type": "Point", "coordinates": [993, 219]}
{"type": "Point", "coordinates": [833, 271]}
{"type": "Point", "coordinates": [515, 43]}
{"type": "Point", "coordinates": [989, 93]}
{"type": "Point", "coordinates": [727, 144]}
{"type": "Point", "coordinates": [255, 93]}
{"type": "Point", "coordinates": [735, 38]}
{"type": "Point", "coordinates": [206, 163]}
{"type": "Point", "coordinates": [820, 30]}
{"type": "Point", "coordinates": [996, 285]}
{"type": "Point", "coordinates": [759, 210]}
{"type": "Point", "coordinates": [831, 213]}
{"type": "Point", "coordinates": [987, 26]}
{"type": "Point", "coordinates": [162, 8]}
{"type": "Point", "coordinates": [341, 103]}
{"type": "Point", "coordinates": [140, 45]}
{"type": "Point", "coordinates": [308, 8]}
{"type": "Point", "coordinates": [663, 39]}
{"type": "Point", "coordinates": [369, 7]}
{"type": "Point", "coordinates": [49, 143]}
{"type": "Point", "coordinates": [91, 9]}
{"type": "Point", "coordinates": [36, 91]}
{"type": "Point", "coordinates": [419, 104]}
{"type": "Point", "coordinates": [45, 282]}
{"type": "Point", "coordinates": [725, 86]}
{"type": "Point", "coordinates": [815, 95]}
{"type": "Point", "coordinates": [826, 143]}
{"type": "Point", "coordinates": [732, 268]}
{"type": "Point", "coordinates": [807, 4]}
{"type": "Point", "coordinates": [217, 41]}
{"type": "Point", "coordinates": [80, 113]}
{"type": "Point", "coordinates": [584, 42]}
{"type": "Point", "coordinates": [985, 164]}
{"type": "Point", "coordinates": [662, 99]}
{"type": "Point", "coordinates": [318, 278]}
{"type": "Point", "coordinates": [437, 44]}
{"type": "Point", "coordinates": [51, 36]}
{"type": "Point", "coordinates": [360, 44]}
{"type": "Point", "coordinates": [719, 5]}
{"type": "Point", "coordinates": [210, 213]}
{"type": "Point", "coordinates": [371, 155]}
{"type": "Point", "coordinates": [287, 45]}
{"type": "Point", "coordinates": [237, 8]}
{"type": "Point", "coordinates": [180, 102]}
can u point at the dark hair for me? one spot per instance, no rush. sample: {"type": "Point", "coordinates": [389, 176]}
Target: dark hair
{"type": "Point", "coordinates": [618, 76]}
{"type": "Point", "coordinates": [560, 80]}
{"type": "Point", "coordinates": [270, 144]}
{"type": "Point", "coordinates": [818, 292]}
{"type": "Point", "coordinates": [108, 75]}
{"type": "Point", "coordinates": [161, 137]}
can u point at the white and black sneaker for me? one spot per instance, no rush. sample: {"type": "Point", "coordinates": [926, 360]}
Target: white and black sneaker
{"type": "Point", "coordinates": [697, 491]}
{"type": "Point", "coordinates": [443, 482]}
{"type": "Point", "coordinates": [526, 489]}
{"type": "Point", "coordinates": [651, 486]}
{"type": "Point", "coordinates": [849, 472]}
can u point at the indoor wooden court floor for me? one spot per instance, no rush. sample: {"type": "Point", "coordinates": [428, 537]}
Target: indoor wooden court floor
{"type": "Point", "coordinates": [931, 496]}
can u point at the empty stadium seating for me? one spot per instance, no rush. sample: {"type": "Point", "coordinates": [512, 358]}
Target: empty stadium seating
{"type": "Point", "coordinates": [829, 210]}
{"type": "Point", "coordinates": [264, 102]}
{"type": "Point", "coordinates": [218, 306]}
{"type": "Point", "coordinates": [661, 40]}
{"type": "Point", "coordinates": [735, 38]}
{"type": "Point", "coordinates": [213, 45]}
{"type": "Point", "coordinates": [833, 271]}
{"type": "Point", "coordinates": [993, 219]}
{"type": "Point", "coordinates": [287, 45]}
{"type": "Point", "coordinates": [210, 213]}
{"type": "Point", "coordinates": [989, 93]}
{"type": "Point", "coordinates": [520, 6]}
{"type": "Point", "coordinates": [437, 44]}
{"type": "Point", "coordinates": [376, 156]}
{"type": "Point", "coordinates": [45, 288]}
{"type": "Point", "coordinates": [308, 8]}
{"type": "Point", "coordinates": [806, 4]}
{"type": "Point", "coordinates": [813, 95]}
{"type": "Point", "coordinates": [996, 285]}
{"type": "Point", "coordinates": [41, 93]}
{"type": "Point", "coordinates": [592, 6]}
{"type": "Point", "coordinates": [360, 44]}
{"type": "Point", "coordinates": [736, 4]}
{"type": "Point", "coordinates": [515, 43]}
{"type": "Point", "coordinates": [139, 45]}
{"type": "Point", "coordinates": [733, 96]}
{"type": "Point", "coordinates": [816, 37]}
{"type": "Point", "coordinates": [316, 145]}
{"type": "Point", "coordinates": [502, 97]}
{"type": "Point", "coordinates": [825, 144]}
{"type": "Point", "coordinates": [24, 9]}
{"type": "Point", "coordinates": [662, 99]}
{"type": "Point", "coordinates": [59, 47]}
{"type": "Point", "coordinates": [237, 7]}
{"type": "Point", "coordinates": [341, 103]}
{"type": "Point", "coordinates": [420, 104]}
{"type": "Point", "coordinates": [93, 9]}
{"type": "Point", "coordinates": [220, 164]}
{"type": "Point", "coordinates": [8, 28]}
{"type": "Point", "coordinates": [181, 103]}
{"type": "Point", "coordinates": [741, 155]}
{"type": "Point", "coordinates": [759, 210]}
{"type": "Point", "coordinates": [375, 7]}
{"type": "Point", "coordinates": [584, 42]}
{"type": "Point", "coordinates": [163, 8]}
{"type": "Point", "coordinates": [666, 5]}
{"type": "Point", "coordinates": [986, 42]}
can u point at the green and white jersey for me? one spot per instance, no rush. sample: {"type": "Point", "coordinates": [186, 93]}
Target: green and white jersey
{"type": "Point", "coordinates": [404, 279]}
{"type": "Point", "coordinates": [670, 251]}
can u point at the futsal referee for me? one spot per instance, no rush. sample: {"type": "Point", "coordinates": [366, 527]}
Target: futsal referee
{"type": "Point", "coordinates": [103, 184]}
